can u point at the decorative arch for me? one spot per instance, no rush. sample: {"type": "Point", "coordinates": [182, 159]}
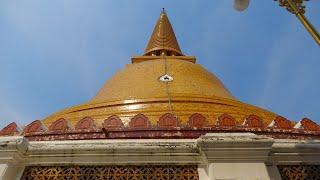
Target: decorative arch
{"type": "Point", "coordinates": [139, 121]}
{"type": "Point", "coordinates": [309, 125]}
{"type": "Point", "coordinates": [197, 120]}
{"type": "Point", "coordinates": [253, 121]}
{"type": "Point", "coordinates": [281, 123]}
{"type": "Point", "coordinates": [168, 120]}
{"type": "Point", "coordinates": [10, 130]}
{"type": "Point", "coordinates": [34, 127]}
{"type": "Point", "coordinates": [225, 120]}
{"type": "Point", "coordinates": [86, 123]}
{"type": "Point", "coordinates": [59, 126]}
{"type": "Point", "coordinates": [113, 122]}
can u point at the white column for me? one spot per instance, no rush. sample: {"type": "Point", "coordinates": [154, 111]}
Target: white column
{"type": "Point", "coordinates": [235, 156]}
{"type": "Point", "coordinates": [203, 174]}
{"type": "Point", "coordinates": [273, 172]}
{"type": "Point", "coordinates": [11, 150]}
{"type": "Point", "coordinates": [238, 171]}
{"type": "Point", "coordinates": [2, 170]}
{"type": "Point", "coordinates": [10, 172]}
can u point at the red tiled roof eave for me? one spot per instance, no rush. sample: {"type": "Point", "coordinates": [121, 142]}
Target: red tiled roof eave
{"type": "Point", "coordinates": [168, 126]}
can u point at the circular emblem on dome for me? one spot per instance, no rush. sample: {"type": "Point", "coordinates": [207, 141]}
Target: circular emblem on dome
{"type": "Point", "coordinates": [166, 78]}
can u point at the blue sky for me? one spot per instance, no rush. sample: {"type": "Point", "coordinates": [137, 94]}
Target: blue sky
{"type": "Point", "coordinates": [55, 54]}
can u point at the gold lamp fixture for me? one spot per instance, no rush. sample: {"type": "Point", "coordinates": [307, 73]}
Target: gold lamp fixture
{"type": "Point", "coordinates": [293, 6]}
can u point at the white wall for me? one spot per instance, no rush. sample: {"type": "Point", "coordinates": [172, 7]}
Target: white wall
{"type": "Point", "coordinates": [8, 172]}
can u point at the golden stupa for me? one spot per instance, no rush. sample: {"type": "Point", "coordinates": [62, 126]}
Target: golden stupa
{"type": "Point", "coordinates": [161, 81]}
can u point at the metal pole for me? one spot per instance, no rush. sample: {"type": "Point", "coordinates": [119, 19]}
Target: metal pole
{"type": "Point", "coordinates": [305, 22]}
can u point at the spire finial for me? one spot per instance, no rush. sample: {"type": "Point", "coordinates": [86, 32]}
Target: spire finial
{"type": "Point", "coordinates": [163, 39]}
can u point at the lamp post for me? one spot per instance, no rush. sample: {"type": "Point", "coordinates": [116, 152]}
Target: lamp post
{"type": "Point", "coordinates": [293, 6]}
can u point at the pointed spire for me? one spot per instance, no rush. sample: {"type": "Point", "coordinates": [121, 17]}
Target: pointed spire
{"type": "Point", "coordinates": [163, 39]}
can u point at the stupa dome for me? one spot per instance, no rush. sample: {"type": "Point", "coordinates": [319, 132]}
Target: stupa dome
{"type": "Point", "coordinates": [138, 89]}
{"type": "Point", "coordinates": [142, 81]}
{"type": "Point", "coordinates": [162, 94]}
